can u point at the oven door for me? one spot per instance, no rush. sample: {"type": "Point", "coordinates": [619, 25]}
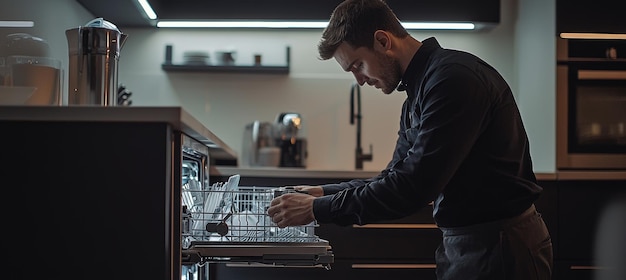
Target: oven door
{"type": "Point", "coordinates": [591, 115]}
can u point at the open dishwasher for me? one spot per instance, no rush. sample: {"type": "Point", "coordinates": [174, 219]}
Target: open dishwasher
{"type": "Point", "coordinates": [228, 223]}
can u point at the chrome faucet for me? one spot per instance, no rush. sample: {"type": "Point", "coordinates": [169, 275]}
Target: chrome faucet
{"type": "Point", "coordinates": [359, 157]}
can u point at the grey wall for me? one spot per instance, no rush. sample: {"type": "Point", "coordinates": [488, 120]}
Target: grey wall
{"type": "Point", "coordinates": [521, 47]}
{"type": "Point", "coordinates": [535, 61]}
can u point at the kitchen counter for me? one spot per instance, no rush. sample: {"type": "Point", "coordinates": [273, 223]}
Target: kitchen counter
{"type": "Point", "coordinates": [290, 172]}
{"type": "Point", "coordinates": [175, 116]}
{"type": "Point", "coordinates": [351, 174]}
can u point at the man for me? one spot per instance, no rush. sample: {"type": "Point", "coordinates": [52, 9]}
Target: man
{"type": "Point", "coordinates": [461, 144]}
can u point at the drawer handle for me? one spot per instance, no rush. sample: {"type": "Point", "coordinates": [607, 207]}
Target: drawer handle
{"type": "Point", "coordinates": [397, 226]}
{"type": "Point", "coordinates": [585, 267]}
{"type": "Point", "coordinates": [395, 266]}
{"type": "Point", "coordinates": [601, 75]}
{"type": "Point", "coordinates": [251, 264]}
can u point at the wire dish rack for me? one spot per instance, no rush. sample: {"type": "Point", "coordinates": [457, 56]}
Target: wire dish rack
{"type": "Point", "coordinates": [229, 223]}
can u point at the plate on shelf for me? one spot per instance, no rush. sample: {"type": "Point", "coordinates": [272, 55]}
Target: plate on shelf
{"type": "Point", "coordinates": [196, 57]}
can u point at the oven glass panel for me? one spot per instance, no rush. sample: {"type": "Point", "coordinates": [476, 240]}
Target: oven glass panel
{"type": "Point", "coordinates": [598, 116]}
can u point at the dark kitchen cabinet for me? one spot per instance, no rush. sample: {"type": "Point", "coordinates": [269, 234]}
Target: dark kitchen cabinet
{"type": "Point", "coordinates": [404, 249]}
{"type": "Point", "coordinates": [581, 205]}
{"type": "Point", "coordinates": [599, 16]}
{"type": "Point", "coordinates": [95, 191]}
{"type": "Point", "coordinates": [398, 249]}
{"type": "Point", "coordinates": [85, 194]}
{"type": "Point", "coordinates": [340, 270]}
{"type": "Point", "coordinates": [567, 270]}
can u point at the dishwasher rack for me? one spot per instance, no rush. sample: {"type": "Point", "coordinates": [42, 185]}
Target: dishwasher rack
{"type": "Point", "coordinates": [229, 223]}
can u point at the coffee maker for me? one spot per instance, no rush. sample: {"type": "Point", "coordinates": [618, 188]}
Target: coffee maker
{"type": "Point", "coordinates": [293, 147]}
{"type": "Point", "coordinates": [275, 144]}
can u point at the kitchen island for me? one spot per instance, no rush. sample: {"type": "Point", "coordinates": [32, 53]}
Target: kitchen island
{"type": "Point", "coordinates": [95, 192]}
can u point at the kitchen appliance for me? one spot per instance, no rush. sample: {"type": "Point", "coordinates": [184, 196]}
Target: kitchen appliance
{"type": "Point", "coordinates": [228, 223]}
{"type": "Point", "coordinates": [293, 147]}
{"type": "Point", "coordinates": [94, 51]}
{"type": "Point", "coordinates": [591, 102]}
{"type": "Point", "coordinates": [259, 144]}
{"type": "Point", "coordinates": [223, 222]}
{"type": "Point", "coordinates": [293, 152]}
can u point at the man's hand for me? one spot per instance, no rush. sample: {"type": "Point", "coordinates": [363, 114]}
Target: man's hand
{"type": "Point", "coordinates": [315, 191]}
{"type": "Point", "coordinates": [292, 209]}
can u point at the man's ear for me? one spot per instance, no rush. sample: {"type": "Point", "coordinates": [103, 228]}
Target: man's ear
{"type": "Point", "coordinates": [382, 40]}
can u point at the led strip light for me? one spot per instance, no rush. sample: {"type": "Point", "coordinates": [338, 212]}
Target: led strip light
{"type": "Point", "coordinates": [302, 24]}
{"type": "Point", "coordinates": [16, 23]}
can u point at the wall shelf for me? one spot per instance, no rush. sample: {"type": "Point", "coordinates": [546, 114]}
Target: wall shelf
{"type": "Point", "coordinates": [229, 69]}
{"type": "Point", "coordinates": [260, 69]}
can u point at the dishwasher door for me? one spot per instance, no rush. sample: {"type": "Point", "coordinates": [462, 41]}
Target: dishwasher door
{"type": "Point", "coordinates": [227, 223]}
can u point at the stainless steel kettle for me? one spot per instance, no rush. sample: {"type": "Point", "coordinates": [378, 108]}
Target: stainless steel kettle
{"type": "Point", "coordinates": [94, 51]}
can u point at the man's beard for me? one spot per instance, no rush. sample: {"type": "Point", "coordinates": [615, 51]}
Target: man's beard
{"type": "Point", "coordinates": [391, 73]}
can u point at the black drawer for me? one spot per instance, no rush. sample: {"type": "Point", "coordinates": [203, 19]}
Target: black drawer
{"type": "Point", "coordinates": [413, 237]}
{"type": "Point", "coordinates": [340, 270]}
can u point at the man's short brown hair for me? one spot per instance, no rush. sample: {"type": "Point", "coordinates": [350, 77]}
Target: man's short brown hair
{"type": "Point", "coordinates": [354, 22]}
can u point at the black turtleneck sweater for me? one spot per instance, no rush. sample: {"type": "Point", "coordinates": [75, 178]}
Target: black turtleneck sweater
{"type": "Point", "coordinates": [461, 144]}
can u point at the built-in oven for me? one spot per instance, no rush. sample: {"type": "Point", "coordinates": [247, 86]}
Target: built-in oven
{"type": "Point", "coordinates": [591, 104]}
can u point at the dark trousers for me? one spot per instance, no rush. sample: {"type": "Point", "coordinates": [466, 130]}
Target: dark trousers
{"type": "Point", "coordinates": [515, 248]}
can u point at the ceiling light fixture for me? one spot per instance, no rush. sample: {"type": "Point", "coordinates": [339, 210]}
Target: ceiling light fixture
{"type": "Point", "coordinates": [16, 23]}
{"type": "Point", "coordinates": [439, 25]}
{"type": "Point", "coordinates": [601, 36]}
{"type": "Point", "coordinates": [300, 24]}
{"type": "Point", "coordinates": [147, 9]}
{"type": "Point", "coordinates": [243, 24]}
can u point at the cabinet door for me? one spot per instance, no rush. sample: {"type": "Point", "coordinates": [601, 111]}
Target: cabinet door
{"type": "Point", "coordinates": [581, 206]}
{"type": "Point", "coordinates": [92, 200]}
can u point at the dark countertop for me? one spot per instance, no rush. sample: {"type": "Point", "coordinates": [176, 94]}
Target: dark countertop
{"type": "Point", "coordinates": [175, 116]}
{"type": "Point", "coordinates": [351, 174]}
{"type": "Point", "coordinates": [591, 175]}
{"type": "Point", "coordinates": [290, 172]}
